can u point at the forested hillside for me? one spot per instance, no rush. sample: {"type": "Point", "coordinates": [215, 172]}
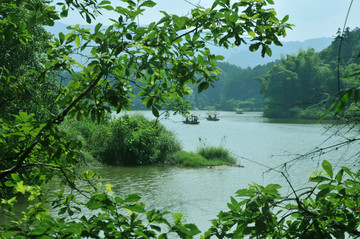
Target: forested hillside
{"type": "Point", "coordinates": [298, 85]}
{"type": "Point", "coordinates": [236, 88]}
{"type": "Point", "coordinates": [301, 86]}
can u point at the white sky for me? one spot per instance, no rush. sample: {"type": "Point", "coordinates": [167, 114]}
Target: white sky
{"type": "Point", "coordinates": [312, 18]}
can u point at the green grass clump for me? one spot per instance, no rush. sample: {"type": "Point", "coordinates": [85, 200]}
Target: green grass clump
{"type": "Point", "coordinates": [216, 153]}
{"type": "Point", "coordinates": [207, 156]}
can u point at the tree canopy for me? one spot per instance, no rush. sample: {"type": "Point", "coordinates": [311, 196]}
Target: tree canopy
{"type": "Point", "coordinates": [164, 56]}
{"type": "Point", "coordinates": [300, 82]}
{"type": "Point", "coordinates": [157, 62]}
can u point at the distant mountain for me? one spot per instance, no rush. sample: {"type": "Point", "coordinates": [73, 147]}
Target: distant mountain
{"type": "Point", "coordinates": [241, 56]}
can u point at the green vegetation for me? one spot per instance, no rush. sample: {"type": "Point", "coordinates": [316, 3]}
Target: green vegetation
{"type": "Point", "coordinates": [205, 156]}
{"type": "Point", "coordinates": [138, 141]}
{"type": "Point", "coordinates": [303, 85]}
{"type": "Point", "coordinates": [133, 141]}
{"type": "Point", "coordinates": [90, 136]}
{"type": "Point", "coordinates": [166, 57]}
{"type": "Point", "coordinates": [328, 209]}
{"type": "Point", "coordinates": [236, 88]}
{"type": "Point", "coordinates": [124, 141]}
{"type": "Point", "coordinates": [299, 86]}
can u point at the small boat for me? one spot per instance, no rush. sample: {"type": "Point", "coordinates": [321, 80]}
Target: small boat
{"type": "Point", "coordinates": [212, 116]}
{"type": "Point", "coordinates": [191, 119]}
{"type": "Point", "coordinates": [239, 111]}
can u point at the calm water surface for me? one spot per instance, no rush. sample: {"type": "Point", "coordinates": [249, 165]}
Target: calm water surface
{"type": "Point", "coordinates": [257, 142]}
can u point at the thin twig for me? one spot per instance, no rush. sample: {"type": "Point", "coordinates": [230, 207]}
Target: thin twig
{"type": "Point", "coordinates": [340, 46]}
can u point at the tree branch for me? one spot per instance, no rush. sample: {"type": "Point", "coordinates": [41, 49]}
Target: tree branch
{"type": "Point", "coordinates": [60, 118]}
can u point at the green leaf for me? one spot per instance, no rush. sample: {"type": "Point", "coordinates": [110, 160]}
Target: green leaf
{"type": "Point", "coordinates": [252, 34]}
{"type": "Point", "coordinates": [189, 230]}
{"type": "Point", "coordinates": [254, 47]}
{"type": "Point", "coordinates": [61, 37]}
{"type": "Point", "coordinates": [68, 35]}
{"type": "Point", "coordinates": [149, 103]}
{"type": "Point", "coordinates": [15, 177]}
{"type": "Point", "coordinates": [93, 204]}
{"type": "Point", "coordinates": [178, 21]}
{"type": "Point", "coordinates": [156, 228]}
{"type": "Point", "coordinates": [343, 101]}
{"type": "Point", "coordinates": [219, 58]}
{"type": "Point", "coordinates": [20, 187]}
{"type": "Point", "coordinates": [328, 168]}
{"type": "Point", "coordinates": [129, 36]}
{"type": "Point", "coordinates": [194, 230]}
{"type": "Point", "coordinates": [9, 184]}
{"type": "Point", "coordinates": [140, 234]}
{"type": "Point", "coordinates": [64, 12]}
{"type": "Point", "coordinates": [285, 19]}
{"type": "Point", "coordinates": [132, 198]}
{"type": "Point", "coordinates": [318, 179]}
{"type": "Point", "coordinates": [263, 50]}
{"type": "Point", "coordinates": [268, 51]}
{"type": "Point", "coordinates": [38, 231]}
{"type": "Point", "coordinates": [155, 112]}
{"type": "Point", "coordinates": [324, 115]}
{"type": "Point", "coordinates": [77, 41]}
{"type": "Point", "coordinates": [97, 27]}
{"type": "Point", "coordinates": [203, 86]}
{"type": "Point", "coordinates": [104, 2]}
{"type": "Point", "coordinates": [88, 19]}
{"type": "Point", "coordinates": [348, 171]}
{"type": "Point", "coordinates": [322, 193]}
{"type": "Point", "coordinates": [245, 193]}
{"type": "Point", "coordinates": [62, 211]}
{"type": "Point", "coordinates": [148, 4]}
{"type": "Point", "coordinates": [135, 208]}
{"type": "Point", "coordinates": [108, 7]}
{"type": "Point", "coordinates": [177, 218]}
{"type": "Point", "coordinates": [339, 175]}
{"type": "Point", "coordinates": [214, 5]}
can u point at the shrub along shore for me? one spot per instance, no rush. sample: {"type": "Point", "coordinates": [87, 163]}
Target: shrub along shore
{"type": "Point", "coordinates": [136, 141]}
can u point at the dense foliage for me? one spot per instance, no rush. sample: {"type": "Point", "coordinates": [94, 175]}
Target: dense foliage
{"type": "Point", "coordinates": [138, 141]}
{"type": "Point", "coordinates": [125, 141]}
{"type": "Point", "coordinates": [305, 85]}
{"type": "Point", "coordinates": [297, 86]}
{"type": "Point", "coordinates": [158, 56]}
{"type": "Point", "coordinates": [328, 209]}
{"type": "Point", "coordinates": [165, 56]}
{"type": "Point", "coordinates": [107, 216]}
{"type": "Point", "coordinates": [205, 156]}
{"type": "Point", "coordinates": [26, 88]}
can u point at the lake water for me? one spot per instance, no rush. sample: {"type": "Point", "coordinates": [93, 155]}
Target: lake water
{"type": "Point", "coordinates": [257, 142]}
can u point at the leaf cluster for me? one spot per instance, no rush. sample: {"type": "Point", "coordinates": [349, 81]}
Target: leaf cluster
{"type": "Point", "coordinates": [129, 140]}
{"type": "Point", "coordinates": [157, 61]}
{"type": "Point", "coordinates": [102, 214]}
{"type": "Point", "coordinates": [329, 209]}
{"type": "Point", "coordinates": [314, 82]}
